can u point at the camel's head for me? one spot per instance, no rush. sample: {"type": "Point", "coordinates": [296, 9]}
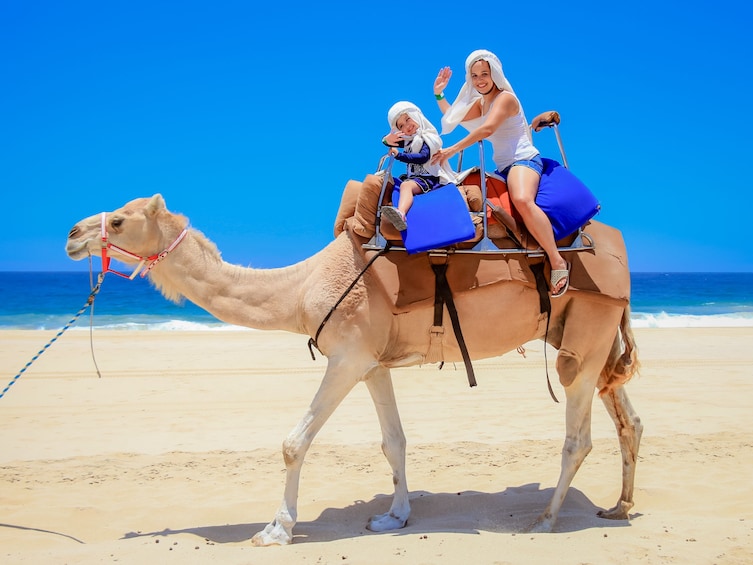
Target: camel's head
{"type": "Point", "coordinates": [134, 227]}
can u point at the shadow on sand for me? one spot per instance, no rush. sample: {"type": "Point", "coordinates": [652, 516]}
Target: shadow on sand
{"type": "Point", "coordinates": [510, 511]}
{"type": "Point", "coordinates": [28, 529]}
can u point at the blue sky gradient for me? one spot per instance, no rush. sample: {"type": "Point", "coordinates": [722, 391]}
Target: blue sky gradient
{"type": "Point", "coordinates": [251, 119]}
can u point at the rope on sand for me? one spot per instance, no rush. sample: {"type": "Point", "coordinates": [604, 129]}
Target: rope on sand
{"type": "Point", "coordinates": [89, 302]}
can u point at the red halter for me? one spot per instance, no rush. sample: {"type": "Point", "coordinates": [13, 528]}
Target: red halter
{"type": "Point", "coordinates": [152, 259]}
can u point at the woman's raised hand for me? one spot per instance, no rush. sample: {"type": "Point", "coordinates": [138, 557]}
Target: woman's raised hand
{"type": "Point", "coordinates": [442, 80]}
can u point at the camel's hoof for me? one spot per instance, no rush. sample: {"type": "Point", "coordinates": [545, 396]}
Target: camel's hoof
{"type": "Point", "coordinates": [544, 524]}
{"type": "Point", "coordinates": [386, 522]}
{"type": "Point", "coordinates": [273, 534]}
{"type": "Point", "coordinates": [619, 512]}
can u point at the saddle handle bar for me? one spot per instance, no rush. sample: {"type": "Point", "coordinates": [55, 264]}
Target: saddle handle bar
{"type": "Point", "coordinates": [551, 119]}
{"type": "Point", "coordinates": [545, 120]}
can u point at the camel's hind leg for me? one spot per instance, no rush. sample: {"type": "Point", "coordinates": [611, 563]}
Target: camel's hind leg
{"type": "Point", "coordinates": [629, 431]}
{"type": "Point", "coordinates": [341, 376]}
{"type": "Point", "coordinates": [577, 446]}
{"type": "Point", "coordinates": [379, 383]}
{"type": "Point", "coordinates": [583, 351]}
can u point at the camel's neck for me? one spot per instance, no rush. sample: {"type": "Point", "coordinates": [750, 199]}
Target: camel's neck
{"type": "Point", "coordinates": [256, 298]}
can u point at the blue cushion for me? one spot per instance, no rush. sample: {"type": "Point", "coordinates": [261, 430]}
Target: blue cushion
{"type": "Point", "coordinates": [567, 202]}
{"type": "Point", "coordinates": [436, 219]}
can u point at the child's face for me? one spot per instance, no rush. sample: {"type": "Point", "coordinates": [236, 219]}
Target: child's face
{"type": "Point", "coordinates": [406, 124]}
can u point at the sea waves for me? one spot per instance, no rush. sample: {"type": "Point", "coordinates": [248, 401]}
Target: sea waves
{"type": "Point", "coordinates": [667, 320]}
{"type": "Point", "coordinates": [127, 323]}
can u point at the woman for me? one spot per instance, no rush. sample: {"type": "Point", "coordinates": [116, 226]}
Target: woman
{"type": "Point", "coordinates": [488, 108]}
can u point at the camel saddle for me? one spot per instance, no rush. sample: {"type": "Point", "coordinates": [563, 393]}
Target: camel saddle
{"type": "Point", "coordinates": [409, 280]}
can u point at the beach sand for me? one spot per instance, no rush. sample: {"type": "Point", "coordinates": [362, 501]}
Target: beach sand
{"type": "Point", "coordinates": [174, 455]}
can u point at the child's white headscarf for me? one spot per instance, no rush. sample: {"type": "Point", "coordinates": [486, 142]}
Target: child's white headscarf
{"type": "Point", "coordinates": [426, 133]}
{"type": "Point", "coordinates": [468, 94]}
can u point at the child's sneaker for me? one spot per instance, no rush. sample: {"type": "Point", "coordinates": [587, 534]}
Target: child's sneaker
{"type": "Point", "coordinates": [395, 217]}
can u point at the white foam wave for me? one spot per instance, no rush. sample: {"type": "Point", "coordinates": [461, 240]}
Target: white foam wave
{"type": "Point", "coordinates": [638, 320]}
{"type": "Point", "coordinates": [664, 320]}
{"type": "Point", "coordinates": [170, 325]}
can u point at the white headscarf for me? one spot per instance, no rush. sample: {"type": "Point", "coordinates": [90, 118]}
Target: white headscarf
{"type": "Point", "coordinates": [468, 94]}
{"type": "Point", "coordinates": [426, 133]}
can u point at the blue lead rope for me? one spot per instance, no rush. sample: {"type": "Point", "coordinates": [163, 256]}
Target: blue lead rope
{"type": "Point", "coordinates": [89, 302]}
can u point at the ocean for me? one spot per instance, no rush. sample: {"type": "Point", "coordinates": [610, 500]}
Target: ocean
{"type": "Point", "coordinates": [49, 301]}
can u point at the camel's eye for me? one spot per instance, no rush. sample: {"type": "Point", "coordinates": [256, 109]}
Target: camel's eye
{"type": "Point", "coordinates": [115, 223]}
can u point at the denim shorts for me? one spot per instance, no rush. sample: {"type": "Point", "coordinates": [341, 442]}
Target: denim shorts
{"type": "Point", "coordinates": [534, 163]}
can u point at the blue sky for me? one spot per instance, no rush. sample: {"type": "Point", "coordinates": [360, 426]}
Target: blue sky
{"type": "Point", "coordinates": [251, 119]}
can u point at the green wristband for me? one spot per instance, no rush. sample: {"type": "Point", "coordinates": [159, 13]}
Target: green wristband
{"type": "Point", "coordinates": [439, 96]}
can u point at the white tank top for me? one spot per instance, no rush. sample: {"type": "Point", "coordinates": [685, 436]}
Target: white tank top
{"type": "Point", "coordinates": [510, 142]}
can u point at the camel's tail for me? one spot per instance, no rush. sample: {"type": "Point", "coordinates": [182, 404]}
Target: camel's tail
{"type": "Point", "coordinates": [622, 363]}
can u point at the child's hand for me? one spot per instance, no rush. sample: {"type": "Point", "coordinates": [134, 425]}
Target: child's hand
{"type": "Point", "coordinates": [393, 151]}
{"type": "Point", "coordinates": [393, 138]}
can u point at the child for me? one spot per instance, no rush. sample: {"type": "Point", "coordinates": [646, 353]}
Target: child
{"type": "Point", "coordinates": [419, 140]}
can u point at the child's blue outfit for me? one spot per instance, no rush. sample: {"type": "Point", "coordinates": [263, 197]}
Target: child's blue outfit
{"type": "Point", "coordinates": [416, 170]}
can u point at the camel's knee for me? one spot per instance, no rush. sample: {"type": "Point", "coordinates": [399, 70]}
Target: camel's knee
{"type": "Point", "coordinates": [576, 449]}
{"type": "Point", "coordinates": [394, 447]}
{"type": "Point", "coordinates": [291, 451]}
{"type": "Point", "coordinates": [569, 364]}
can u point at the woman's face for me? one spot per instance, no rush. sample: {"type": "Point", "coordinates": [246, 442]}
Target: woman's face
{"type": "Point", "coordinates": [481, 77]}
{"type": "Point", "coordinates": [406, 124]}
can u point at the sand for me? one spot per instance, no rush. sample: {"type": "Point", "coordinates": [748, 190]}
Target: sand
{"type": "Point", "coordinates": [173, 455]}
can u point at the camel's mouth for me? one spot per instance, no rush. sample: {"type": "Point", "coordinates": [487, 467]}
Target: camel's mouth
{"type": "Point", "coordinates": [77, 250]}
{"type": "Point", "coordinates": [81, 237]}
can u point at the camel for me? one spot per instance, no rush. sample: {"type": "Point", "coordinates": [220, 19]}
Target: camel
{"type": "Point", "coordinates": [364, 339]}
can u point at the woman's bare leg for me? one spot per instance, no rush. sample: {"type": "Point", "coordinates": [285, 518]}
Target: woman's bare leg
{"type": "Point", "coordinates": [523, 184]}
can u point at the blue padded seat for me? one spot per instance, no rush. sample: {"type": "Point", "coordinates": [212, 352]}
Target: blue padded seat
{"type": "Point", "coordinates": [436, 219]}
{"type": "Point", "coordinates": [562, 196]}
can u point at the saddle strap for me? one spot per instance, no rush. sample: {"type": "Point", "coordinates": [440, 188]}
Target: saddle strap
{"type": "Point", "coordinates": [442, 297]}
{"type": "Point", "coordinates": [313, 341]}
{"type": "Point", "coordinates": [545, 307]}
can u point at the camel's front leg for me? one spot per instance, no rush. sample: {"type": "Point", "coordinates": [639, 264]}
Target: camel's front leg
{"type": "Point", "coordinates": [629, 431]}
{"type": "Point", "coordinates": [379, 383]}
{"type": "Point", "coordinates": [339, 379]}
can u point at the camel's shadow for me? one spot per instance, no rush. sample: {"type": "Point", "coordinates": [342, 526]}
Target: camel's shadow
{"type": "Point", "coordinates": [510, 511]}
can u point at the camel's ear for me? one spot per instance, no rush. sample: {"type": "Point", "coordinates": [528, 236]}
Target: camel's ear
{"type": "Point", "coordinates": [156, 204]}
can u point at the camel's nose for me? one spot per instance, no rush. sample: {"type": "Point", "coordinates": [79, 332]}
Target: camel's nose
{"type": "Point", "coordinates": [74, 232]}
